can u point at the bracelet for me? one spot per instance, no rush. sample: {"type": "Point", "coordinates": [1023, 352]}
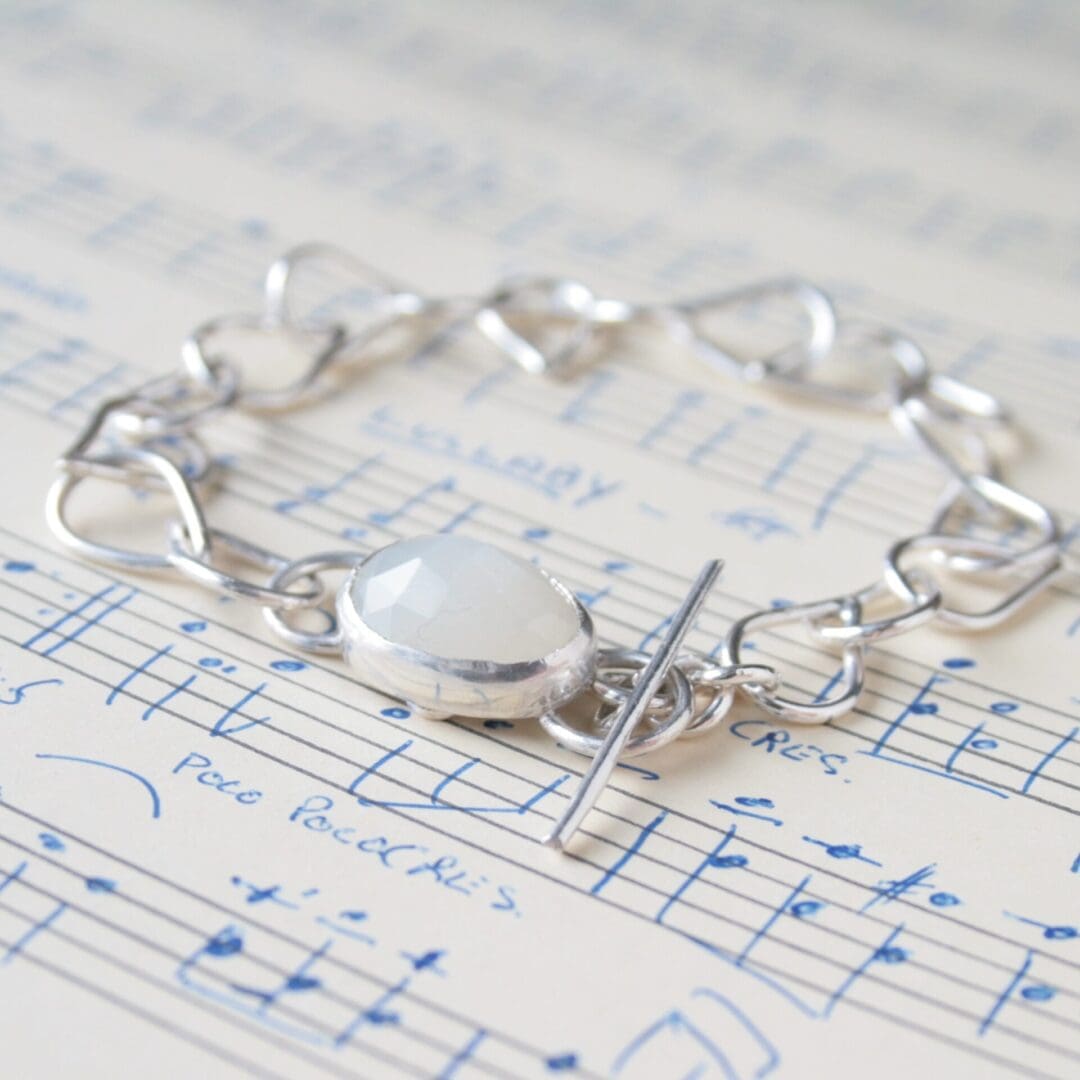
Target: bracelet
{"type": "Point", "coordinates": [454, 626]}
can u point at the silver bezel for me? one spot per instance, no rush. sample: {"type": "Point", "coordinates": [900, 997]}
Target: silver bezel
{"type": "Point", "coordinates": [440, 687]}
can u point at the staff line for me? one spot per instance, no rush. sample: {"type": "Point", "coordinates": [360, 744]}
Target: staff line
{"type": "Point", "coordinates": [280, 1005]}
{"type": "Point", "coordinates": [974, 1017]}
{"type": "Point", "coordinates": [884, 652]}
{"type": "Point", "coordinates": [229, 226]}
{"type": "Point", "coordinates": [471, 784]}
{"type": "Point", "coordinates": [625, 877]}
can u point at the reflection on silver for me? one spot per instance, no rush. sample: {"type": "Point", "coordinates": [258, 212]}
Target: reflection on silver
{"type": "Point", "coordinates": [637, 704]}
{"type": "Point", "coordinates": [443, 686]}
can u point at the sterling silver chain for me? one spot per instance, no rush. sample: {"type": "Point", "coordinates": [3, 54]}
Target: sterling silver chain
{"type": "Point", "coordinates": [148, 439]}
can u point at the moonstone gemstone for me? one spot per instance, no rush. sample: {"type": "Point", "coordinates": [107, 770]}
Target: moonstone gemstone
{"type": "Point", "coordinates": [462, 599]}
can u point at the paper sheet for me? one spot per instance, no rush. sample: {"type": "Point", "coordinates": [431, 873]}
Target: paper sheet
{"type": "Point", "coordinates": [219, 857]}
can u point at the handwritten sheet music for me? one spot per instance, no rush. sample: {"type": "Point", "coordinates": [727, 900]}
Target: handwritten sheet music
{"type": "Point", "coordinates": [219, 857]}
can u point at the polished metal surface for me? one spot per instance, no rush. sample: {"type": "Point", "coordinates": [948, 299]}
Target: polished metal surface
{"type": "Point", "coordinates": [984, 531]}
{"type": "Point", "coordinates": [444, 686]}
{"type": "Point", "coordinates": [635, 708]}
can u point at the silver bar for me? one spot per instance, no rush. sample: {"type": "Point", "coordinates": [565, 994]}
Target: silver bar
{"type": "Point", "coordinates": [645, 689]}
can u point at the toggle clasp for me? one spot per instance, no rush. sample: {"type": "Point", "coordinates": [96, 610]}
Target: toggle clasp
{"type": "Point", "coordinates": [636, 705]}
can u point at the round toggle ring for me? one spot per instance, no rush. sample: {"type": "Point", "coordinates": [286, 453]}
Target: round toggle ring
{"type": "Point", "coordinates": [676, 707]}
{"type": "Point", "coordinates": [614, 680]}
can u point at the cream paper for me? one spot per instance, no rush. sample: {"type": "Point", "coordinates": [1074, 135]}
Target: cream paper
{"type": "Point", "coordinates": [220, 857]}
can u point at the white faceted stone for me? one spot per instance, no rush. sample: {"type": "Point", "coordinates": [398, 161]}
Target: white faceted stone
{"type": "Point", "coordinates": [463, 599]}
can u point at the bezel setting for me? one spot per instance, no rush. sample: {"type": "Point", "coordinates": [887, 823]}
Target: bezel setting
{"type": "Point", "coordinates": [439, 687]}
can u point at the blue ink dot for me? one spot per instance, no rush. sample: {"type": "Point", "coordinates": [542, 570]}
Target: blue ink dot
{"type": "Point", "coordinates": [1038, 993]}
{"type": "Point", "coordinates": [288, 665]}
{"type": "Point", "coordinates": [616, 566]}
{"type": "Point", "coordinates": [228, 670]}
{"type": "Point", "coordinates": [984, 744]}
{"type": "Point", "coordinates": [944, 899]}
{"type": "Point", "coordinates": [1004, 707]}
{"type": "Point", "coordinates": [780, 602]}
{"type": "Point", "coordinates": [396, 713]}
{"type": "Point", "coordinates": [726, 862]}
{"type": "Point", "coordinates": [45, 611]}
{"type": "Point", "coordinates": [353, 532]}
{"type": "Point", "coordinates": [51, 842]}
{"type": "Point", "coordinates": [562, 1062]}
{"type": "Point", "coordinates": [537, 533]}
{"type": "Point", "coordinates": [211, 661]}
{"type": "Point", "coordinates": [373, 1016]}
{"type": "Point", "coordinates": [354, 916]}
{"type": "Point", "coordinates": [195, 627]}
{"type": "Point", "coordinates": [225, 944]}
{"type": "Point", "coordinates": [17, 566]}
{"type": "Point", "coordinates": [749, 800]}
{"type": "Point", "coordinates": [497, 725]}
{"type": "Point", "coordinates": [805, 907]}
{"type": "Point", "coordinates": [1059, 933]}
{"type": "Point", "coordinates": [843, 851]}
{"type": "Point", "coordinates": [100, 884]}
{"type": "Point", "coordinates": [891, 954]}
{"type": "Point", "coordinates": [924, 708]}
{"type": "Point", "coordinates": [429, 960]}
{"type": "Point", "coordinates": [956, 663]}
{"type": "Point", "coordinates": [256, 895]}
{"type": "Point", "coordinates": [301, 982]}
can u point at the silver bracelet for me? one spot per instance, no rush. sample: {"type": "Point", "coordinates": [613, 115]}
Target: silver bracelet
{"type": "Point", "coordinates": [456, 627]}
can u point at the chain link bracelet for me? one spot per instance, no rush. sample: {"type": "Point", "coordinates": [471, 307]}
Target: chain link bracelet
{"type": "Point", "coordinates": [455, 626]}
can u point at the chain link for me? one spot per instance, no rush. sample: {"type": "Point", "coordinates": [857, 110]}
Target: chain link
{"type": "Point", "coordinates": [983, 530]}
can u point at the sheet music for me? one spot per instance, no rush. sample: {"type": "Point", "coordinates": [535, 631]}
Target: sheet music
{"type": "Point", "coordinates": [220, 857]}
